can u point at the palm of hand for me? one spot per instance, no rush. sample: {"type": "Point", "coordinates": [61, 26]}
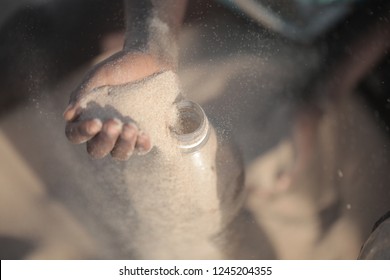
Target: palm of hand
{"type": "Point", "coordinates": [110, 135]}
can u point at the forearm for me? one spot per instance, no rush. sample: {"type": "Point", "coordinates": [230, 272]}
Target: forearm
{"type": "Point", "coordinates": [152, 26]}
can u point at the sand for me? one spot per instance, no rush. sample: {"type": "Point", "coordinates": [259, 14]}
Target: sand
{"type": "Point", "coordinates": [149, 103]}
{"type": "Point", "coordinates": [170, 198]}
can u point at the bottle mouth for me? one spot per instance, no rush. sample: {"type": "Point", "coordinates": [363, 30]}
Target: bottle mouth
{"type": "Point", "coordinates": [192, 127]}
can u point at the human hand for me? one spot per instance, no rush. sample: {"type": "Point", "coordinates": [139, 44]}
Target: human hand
{"type": "Point", "coordinates": [110, 135]}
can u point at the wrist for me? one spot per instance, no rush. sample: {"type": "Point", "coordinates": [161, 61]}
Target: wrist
{"type": "Point", "coordinates": [152, 27]}
{"type": "Point", "coordinates": [144, 63]}
{"type": "Point", "coordinates": [157, 42]}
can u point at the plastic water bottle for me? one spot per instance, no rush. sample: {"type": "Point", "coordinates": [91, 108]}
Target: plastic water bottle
{"type": "Point", "coordinates": [186, 196]}
{"type": "Point", "coordinates": [182, 200]}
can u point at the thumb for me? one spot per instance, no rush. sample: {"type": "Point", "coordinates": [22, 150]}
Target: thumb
{"type": "Point", "coordinates": [71, 112]}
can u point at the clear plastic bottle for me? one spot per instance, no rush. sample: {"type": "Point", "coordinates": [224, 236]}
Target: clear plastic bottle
{"type": "Point", "coordinates": [182, 200]}
{"type": "Point", "coordinates": [184, 196]}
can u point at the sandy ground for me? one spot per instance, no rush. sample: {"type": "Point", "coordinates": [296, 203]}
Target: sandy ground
{"type": "Point", "coordinates": [246, 82]}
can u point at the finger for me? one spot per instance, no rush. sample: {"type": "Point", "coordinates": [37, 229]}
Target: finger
{"type": "Point", "coordinates": [80, 132]}
{"type": "Point", "coordinates": [104, 142]}
{"type": "Point", "coordinates": [125, 145]}
{"type": "Point", "coordinates": [71, 112]}
{"type": "Point", "coordinates": [143, 144]}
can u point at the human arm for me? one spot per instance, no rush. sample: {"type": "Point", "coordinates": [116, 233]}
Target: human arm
{"type": "Point", "coordinates": [150, 47]}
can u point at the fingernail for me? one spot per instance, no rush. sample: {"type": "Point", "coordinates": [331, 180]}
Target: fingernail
{"type": "Point", "coordinates": [68, 113]}
{"type": "Point", "coordinates": [130, 130]}
{"type": "Point", "coordinates": [144, 144]}
{"type": "Point", "coordinates": [118, 122]}
{"type": "Point", "coordinates": [113, 127]}
{"type": "Point", "coordinates": [96, 126]}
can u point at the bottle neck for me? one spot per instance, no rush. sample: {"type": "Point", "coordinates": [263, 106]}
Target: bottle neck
{"type": "Point", "coordinates": [193, 129]}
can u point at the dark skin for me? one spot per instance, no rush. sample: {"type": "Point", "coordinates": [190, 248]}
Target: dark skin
{"type": "Point", "coordinates": [146, 51]}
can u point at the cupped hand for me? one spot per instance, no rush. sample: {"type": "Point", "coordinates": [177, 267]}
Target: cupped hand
{"type": "Point", "coordinates": [110, 135]}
